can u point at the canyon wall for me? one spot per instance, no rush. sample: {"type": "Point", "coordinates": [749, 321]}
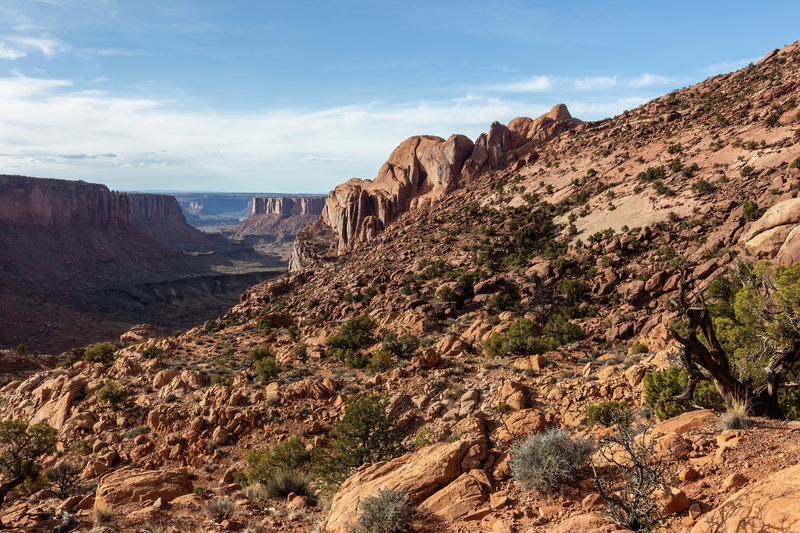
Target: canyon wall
{"type": "Point", "coordinates": [281, 217]}
{"type": "Point", "coordinates": [47, 203]}
{"type": "Point", "coordinates": [288, 205]}
{"type": "Point", "coordinates": [160, 217]}
{"type": "Point", "coordinates": [419, 171]}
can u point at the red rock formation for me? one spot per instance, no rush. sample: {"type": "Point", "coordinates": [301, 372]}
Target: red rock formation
{"type": "Point", "coordinates": [281, 215]}
{"type": "Point", "coordinates": [47, 203]}
{"type": "Point", "coordinates": [421, 170]}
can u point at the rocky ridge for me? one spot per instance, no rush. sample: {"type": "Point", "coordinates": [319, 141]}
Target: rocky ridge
{"type": "Point", "coordinates": [280, 217]}
{"type": "Point", "coordinates": [419, 171]}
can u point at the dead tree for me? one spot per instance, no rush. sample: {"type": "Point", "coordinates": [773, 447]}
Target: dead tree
{"type": "Point", "coordinates": [710, 361]}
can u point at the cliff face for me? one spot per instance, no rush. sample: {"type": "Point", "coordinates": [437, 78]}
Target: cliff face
{"type": "Point", "coordinates": [287, 206]}
{"type": "Point", "coordinates": [280, 216]}
{"type": "Point", "coordinates": [419, 171]}
{"type": "Point", "coordinates": [160, 217]}
{"type": "Point", "coordinates": [47, 203]}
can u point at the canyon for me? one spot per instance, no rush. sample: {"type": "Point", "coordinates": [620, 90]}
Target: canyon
{"type": "Point", "coordinates": [81, 263]}
{"type": "Point", "coordinates": [479, 293]}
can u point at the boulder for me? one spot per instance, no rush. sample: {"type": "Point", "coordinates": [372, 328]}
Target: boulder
{"type": "Point", "coordinates": [419, 475]}
{"type": "Point", "coordinates": [133, 485]}
{"type": "Point", "coordinates": [521, 424]}
{"type": "Point", "coordinates": [587, 523]}
{"type": "Point", "coordinates": [771, 504]}
{"type": "Point", "coordinates": [457, 499]}
{"type": "Point", "coordinates": [685, 422]}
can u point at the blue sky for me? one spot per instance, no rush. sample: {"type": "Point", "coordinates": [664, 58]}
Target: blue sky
{"type": "Point", "coordinates": [297, 97]}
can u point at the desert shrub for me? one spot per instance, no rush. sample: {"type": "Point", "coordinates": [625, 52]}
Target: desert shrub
{"type": "Point", "coordinates": [113, 394]}
{"type": "Point", "coordinates": [221, 379]}
{"type": "Point", "coordinates": [446, 294]}
{"type": "Point", "coordinates": [354, 335]}
{"type": "Point", "coordinates": [424, 437]}
{"type": "Point", "coordinates": [632, 475]}
{"type": "Point", "coordinates": [151, 352]}
{"type": "Point", "coordinates": [265, 365]}
{"type": "Point", "coordinates": [607, 413]}
{"type": "Point", "coordinates": [544, 461]}
{"type": "Point", "coordinates": [746, 171]}
{"type": "Point", "coordinates": [702, 186]}
{"type": "Point", "coordinates": [102, 512]}
{"type": "Point", "coordinates": [400, 345]}
{"type": "Point", "coordinates": [221, 508]}
{"type": "Point", "coordinates": [526, 337]}
{"type": "Point", "coordinates": [300, 351]}
{"type": "Point", "coordinates": [290, 454]}
{"type": "Point", "coordinates": [652, 174]}
{"type": "Point", "coordinates": [100, 353]}
{"type": "Point", "coordinates": [735, 416]}
{"type": "Point", "coordinates": [24, 349]}
{"type": "Point", "coordinates": [364, 434]}
{"type": "Point", "coordinates": [750, 211]}
{"type": "Point", "coordinates": [795, 163]}
{"type": "Point", "coordinates": [280, 483]}
{"type": "Point", "coordinates": [661, 384]}
{"type": "Point", "coordinates": [380, 361]}
{"type": "Point", "coordinates": [387, 511]}
{"type": "Point", "coordinates": [63, 476]}
{"type": "Point", "coordinates": [639, 347]}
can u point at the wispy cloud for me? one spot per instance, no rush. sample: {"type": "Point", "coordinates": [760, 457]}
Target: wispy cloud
{"type": "Point", "coordinates": [560, 84]}
{"type": "Point", "coordinates": [10, 53]}
{"type": "Point", "coordinates": [48, 45]}
{"type": "Point", "coordinates": [527, 85]}
{"type": "Point", "coordinates": [724, 67]}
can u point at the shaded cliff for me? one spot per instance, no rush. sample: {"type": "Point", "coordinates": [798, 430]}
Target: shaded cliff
{"type": "Point", "coordinates": [160, 217]}
{"type": "Point", "coordinates": [419, 171]}
{"type": "Point", "coordinates": [280, 216]}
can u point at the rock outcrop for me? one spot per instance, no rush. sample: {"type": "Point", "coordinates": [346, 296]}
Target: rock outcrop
{"type": "Point", "coordinates": [47, 203]}
{"type": "Point", "coordinates": [768, 505]}
{"type": "Point", "coordinates": [419, 171]}
{"type": "Point", "coordinates": [419, 475]}
{"type": "Point", "coordinates": [280, 215]}
{"type": "Point", "coordinates": [133, 485]}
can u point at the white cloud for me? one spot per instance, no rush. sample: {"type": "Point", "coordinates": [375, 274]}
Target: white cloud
{"type": "Point", "coordinates": [727, 66]}
{"type": "Point", "coordinates": [594, 83]}
{"type": "Point", "coordinates": [10, 53]}
{"type": "Point", "coordinates": [46, 44]}
{"type": "Point", "coordinates": [528, 85]}
{"type": "Point", "coordinates": [648, 80]}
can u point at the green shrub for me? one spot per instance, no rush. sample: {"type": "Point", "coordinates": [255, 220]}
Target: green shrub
{"type": "Point", "coordinates": [750, 211]}
{"type": "Point", "coordinates": [400, 345]}
{"type": "Point", "coordinates": [22, 349]}
{"type": "Point", "coordinates": [746, 171]}
{"type": "Point", "coordinates": [221, 508]}
{"type": "Point", "coordinates": [446, 294]}
{"type": "Point", "coordinates": [151, 352]}
{"type": "Point", "coordinates": [607, 413]}
{"type": "Point", "coordinates": [281, 483]}
{"type": "Point", "coordinates": [63, 476]}
{"type": "Point", "coordinates": [672, 381]}
{"type": "Point", "coordinates": [101, 353]}
{"type": "Point", "coordinates": [380, 361]}
{"type": "Point", "coordinates": [387, 511]}
{"type": "Point", "coordinates": [652, 174]}
{"type": "Point", "coordinates": [354, 335]}
{"type": "Point", "coordinates": [544, 461]}
{"type": "Point", "coordinates": [364, 434]}
{"type": "Point", "coordinates": [112, 394]}
{"type": "Point", "coordinates": [795, 163]}
{"type": "Point", "coordinates": [639, 347]}
{"type": "Point", "coordinates": [264, 363]}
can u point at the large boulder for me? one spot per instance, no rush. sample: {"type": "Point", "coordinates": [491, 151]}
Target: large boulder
{"type": "Point", "coordinates": [419, 475]}
{"type": "Point", "coordinates": [769, 234]}
{"type": "Point", "coordinates": [133, 485]}
{"type": "Point", "coordinates": [772, 504]}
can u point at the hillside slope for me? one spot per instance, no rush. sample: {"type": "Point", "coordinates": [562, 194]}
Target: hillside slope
{"type": "Point", "coordinates": [586, 234]}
